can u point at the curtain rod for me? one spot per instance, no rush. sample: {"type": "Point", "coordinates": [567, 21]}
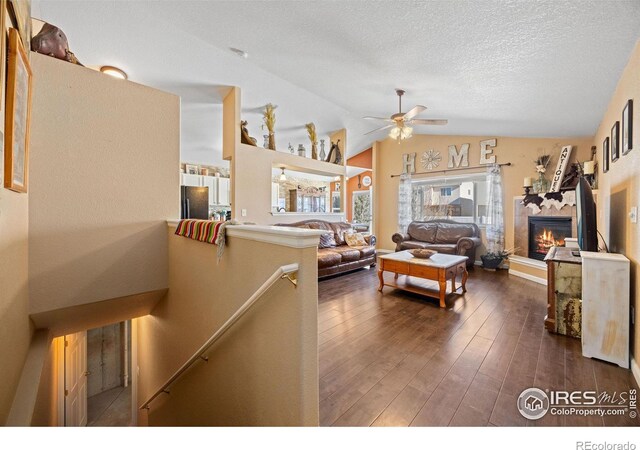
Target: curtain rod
{"type": "Point", "coordinates": [451, 170]}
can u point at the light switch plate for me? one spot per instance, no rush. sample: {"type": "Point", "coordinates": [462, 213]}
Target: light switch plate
{"type": "Point", "coordinates": [633, 214]}
{"type": "Point", "coordinates": [243, 213]}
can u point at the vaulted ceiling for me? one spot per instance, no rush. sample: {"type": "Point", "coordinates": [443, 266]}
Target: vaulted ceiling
{"type": "Point", "coordinates": [503, 68]}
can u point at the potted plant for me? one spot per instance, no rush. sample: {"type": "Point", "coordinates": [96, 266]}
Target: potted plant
{"type": "Point", "coordinates": [492, 260]}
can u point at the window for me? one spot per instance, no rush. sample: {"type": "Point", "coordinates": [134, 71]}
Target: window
{"type": "Point", "coordinates": [461, 198]}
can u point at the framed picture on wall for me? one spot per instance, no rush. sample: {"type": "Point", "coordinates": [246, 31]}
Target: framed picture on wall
{"type": "Point", "coordinates": [191, 169]}
{"type": "Point", "coordinates": [615, 141]}
{"type": "Point", "coordinates": [627, 127]}
{"type": "Point", "coordinates": [605, 155]}
{"type": "Point", "coordinates": [17, 116]}
{"type": "Point", "coordinates": [335, 201]}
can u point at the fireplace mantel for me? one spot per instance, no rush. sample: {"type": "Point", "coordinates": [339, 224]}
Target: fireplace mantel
{"type": "Point", "coordinates": [557, 200]}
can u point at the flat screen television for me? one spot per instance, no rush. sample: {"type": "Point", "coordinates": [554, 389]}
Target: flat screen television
{"type": "Point", "coordinates": [587, 228]}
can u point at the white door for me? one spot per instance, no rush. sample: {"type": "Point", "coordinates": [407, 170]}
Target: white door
{"type": "Point", "coordinates": [190, 180]}
{"type": "Point", "coordinates": [211, 183]}
{"type": "Point", "coordinates": [223, 191]}
{"type": "Point", "coordinates": [75, 380]}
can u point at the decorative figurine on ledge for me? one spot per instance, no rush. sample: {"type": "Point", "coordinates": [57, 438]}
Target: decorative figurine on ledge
{"type": "Point", "coordinates": [244, 135]}
{"type": "Point", "coordinates": [571, 178]}
{"type": "Point", "coordinates": [335, 156]}
{"type": "Point", "coordinates": [52, 41]}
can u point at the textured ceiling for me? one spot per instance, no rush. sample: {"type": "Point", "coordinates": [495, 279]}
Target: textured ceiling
{"type": "Point", "coordinates": [492, 68]}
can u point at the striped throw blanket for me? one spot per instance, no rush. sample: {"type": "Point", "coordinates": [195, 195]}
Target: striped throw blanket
{"type": "Point", "coordinates": [204, 231]}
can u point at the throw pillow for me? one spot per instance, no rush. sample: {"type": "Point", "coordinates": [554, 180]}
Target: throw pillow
{"type": "Point", "coordinates": [355, 239]}
{"type": "Point", "coordinates": [327, 240]}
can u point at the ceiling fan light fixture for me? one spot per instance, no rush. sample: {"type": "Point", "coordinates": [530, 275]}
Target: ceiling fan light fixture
{"type": "Point", "coordinates": [401, 132]}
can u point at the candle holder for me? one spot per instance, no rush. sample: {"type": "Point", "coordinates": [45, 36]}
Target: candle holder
{"type": "Point", "coordinates": [527, 190]}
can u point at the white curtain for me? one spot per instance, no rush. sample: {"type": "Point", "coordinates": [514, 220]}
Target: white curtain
{"type": "Point", "coordinates": [495, 209]}
{"type": "Point", "coordinates": [404, 202]}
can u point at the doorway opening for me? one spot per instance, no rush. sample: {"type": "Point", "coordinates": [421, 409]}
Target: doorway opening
{"type": "Point", "coordinates": [97, 377]}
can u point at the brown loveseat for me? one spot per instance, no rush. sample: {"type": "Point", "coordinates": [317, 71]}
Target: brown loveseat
{"type": "Point", "coordinates": [334, 255]}
{"type": "Point", "coordinates": [444, 236]}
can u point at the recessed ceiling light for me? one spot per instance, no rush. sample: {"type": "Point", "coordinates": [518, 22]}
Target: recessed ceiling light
{"type": "Point", "coordinates": [239, 52]}
{"type": "Point", "coordinates": [114, 72]}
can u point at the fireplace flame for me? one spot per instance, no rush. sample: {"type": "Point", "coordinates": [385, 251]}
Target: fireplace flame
{"type": "Point", "coordinates": [546, 240]}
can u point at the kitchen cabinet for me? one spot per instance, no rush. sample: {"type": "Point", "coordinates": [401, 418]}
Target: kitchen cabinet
{"type": "Point", "coordinates": [191, 180]}
{"type": "Point", "coordinates": [224, 195]}
{"type": "Point", "coordinates": [212, 184]}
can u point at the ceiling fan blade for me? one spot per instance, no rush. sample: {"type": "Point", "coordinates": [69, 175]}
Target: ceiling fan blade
{"type": "Point", "coordinates": [379, 129]}
{"type": "Point", "coordinates": [429, 121]}
{"type": "Point", "coordinates": [414, 112]}
{"type": "Point", "coordinates": [386, 119]}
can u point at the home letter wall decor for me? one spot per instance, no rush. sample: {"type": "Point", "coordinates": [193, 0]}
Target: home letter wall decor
{"type": "Point", "coordinates": [408, 163]}
{"type": "Point", "coordinates": [486, 148]}
{"type": "Point", "coordinates": [458, 159]}
{"type": "Point", "coordinates": [558, 175]}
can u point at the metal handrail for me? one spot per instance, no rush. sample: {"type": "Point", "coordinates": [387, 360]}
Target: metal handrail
{"type": "Point", "coordinates": [282, 272]}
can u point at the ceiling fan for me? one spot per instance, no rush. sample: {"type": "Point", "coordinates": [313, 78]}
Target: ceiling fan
{"type": "Point", "coordinates": [401, 121]}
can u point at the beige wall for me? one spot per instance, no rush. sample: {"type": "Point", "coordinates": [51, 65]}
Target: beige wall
{"type": "Point", "coordinates": [619, 189]}
{"type": "Point", "coordinates": [104, 178]}
{"type": "Point", "coordinates": [521, 152]}
{"type": "Point", "coordinates": [264, 371]}
{"type": "Point", "coordinates": [15, 331]}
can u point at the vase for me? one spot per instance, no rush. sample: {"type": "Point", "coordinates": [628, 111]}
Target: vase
{"type": "Point", "coordinates": [302, 151]}
{"type": "Point", "coordinates": [541, 185]}
{"type": "Point", "coordinates": [314, 150]}
{"type": "Point", "coordinates": [323, 155]}
{"type": "Point", "coordinates": [266, 140]}
{"type": "Point", "coordinates": [491, 264]}
{"type": "Point", "coordinates": [272, 141]}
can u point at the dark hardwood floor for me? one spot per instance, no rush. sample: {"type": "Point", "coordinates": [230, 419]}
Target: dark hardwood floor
{"type": "Point", "coordinates": [397, 359]}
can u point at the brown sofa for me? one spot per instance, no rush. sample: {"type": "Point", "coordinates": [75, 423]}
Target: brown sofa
{"type": "Point", "coordinates": [444, 236]}
{"type": "Point", "coordinates": [334, 255]}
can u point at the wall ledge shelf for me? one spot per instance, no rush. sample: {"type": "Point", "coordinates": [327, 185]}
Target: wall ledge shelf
{"type": "Point", "coordinates": [286, 236]}
{"type": "Point", "coordinates": [299, 163]}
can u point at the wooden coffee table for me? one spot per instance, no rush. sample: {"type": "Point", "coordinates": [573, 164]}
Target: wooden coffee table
{"type": "Point", "coordinates": [440, 267]}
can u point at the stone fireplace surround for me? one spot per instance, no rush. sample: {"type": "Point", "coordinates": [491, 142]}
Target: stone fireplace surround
{"type": "Point", "coordinates": [544, 208]}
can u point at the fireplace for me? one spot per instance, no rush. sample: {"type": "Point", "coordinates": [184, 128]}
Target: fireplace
{"type": "Point", "coordinates": [546, 232]}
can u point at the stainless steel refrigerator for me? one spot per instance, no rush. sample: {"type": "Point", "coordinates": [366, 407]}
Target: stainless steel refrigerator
{"type": "Point", "coordinates": [194, 202]}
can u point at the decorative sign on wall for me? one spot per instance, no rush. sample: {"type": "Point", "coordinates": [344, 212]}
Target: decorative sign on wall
{"type": "Point", "coordinates": [408, 163]}
{"type": "Point", "coordinates": [558, 175]}
{"type": "Point", "coordinates": [430, 159]}
{"type": "Point", "coordinates": [486, 149]}
{"type": "Point", "coordinates": [458, 159]}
